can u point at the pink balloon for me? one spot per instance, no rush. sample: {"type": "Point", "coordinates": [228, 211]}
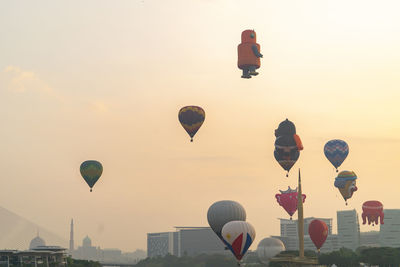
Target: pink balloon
{"type": "Point", "coordinates": [288, 200]}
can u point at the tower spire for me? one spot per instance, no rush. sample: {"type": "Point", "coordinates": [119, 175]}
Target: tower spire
{"type": "Point", "coordinates": [300, 221]}
{"type": "Point", "coordinates": [71, 237]}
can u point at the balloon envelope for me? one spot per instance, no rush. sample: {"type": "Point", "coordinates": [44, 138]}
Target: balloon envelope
{"type": "Point", "coordinates": [288, 200]}
{"type": "Point", "coordinates": [318, 231]}
{"type": "Point", "coordinates": [346, 183]}
{"type": "Point", "coordinates": [336, 151]}
{"type": "Point", "coordinates": [287, 145]}
{"type": "Point", "coordinates": [268, 248]}
{"type": "Point", "coordinates": [91, 171]}
{"type": "Point", "coordinates": [238, 236]}
{"type": "Point", "coordinates": [222, 212]}
{"type": "Point", "coordinates": [372, 210]}
{"type": "Point", "coordinates": [191, 119]}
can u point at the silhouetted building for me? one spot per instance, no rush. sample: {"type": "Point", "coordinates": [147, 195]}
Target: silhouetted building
{"type": "Point", "coordinates": [369, 239]}
{"type": "Point", "coordinates": [390, 230]}
{"type": "Point", "coordinates": [184, 241]}
{"type": "Point", "coordinates": [289, 235]}
{"type": "Point", "coordinates": [348, 229]}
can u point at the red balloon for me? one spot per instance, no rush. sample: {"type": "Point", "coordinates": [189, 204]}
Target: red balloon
{"type": "Point", "coordinates": [372, 210]}
{"type": "Point", "coordinates": [318, 231]}
{"type": "Point", "coordinates": [288, 200]}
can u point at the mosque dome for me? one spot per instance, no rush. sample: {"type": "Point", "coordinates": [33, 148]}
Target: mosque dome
{"type": "Point", "coordinates": [37, 242]}
{"type": "Point", "coordinates": [87, 242]}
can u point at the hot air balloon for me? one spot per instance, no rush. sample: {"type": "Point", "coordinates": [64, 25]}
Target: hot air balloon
{"type": "Point", "coordinates": [191, 118]}
{"type": "Point", "coordinates": [91, 171]}
{"type": "Point", "coordinates": [336, 152]}
{"type": "Point", "coordinates": [222, 212]}
{"type": "Point", "coordinates": [269, 248]}
{"type": "Point", "coordinates": [318, 231]}
{"type": "Point", "coordinates": [346, 183]}
{"type": "Point", "coordinates": [288, 200]}
{"type": "Point", "coordinates": [238, 236]}
{"type": "Point", "coordinates": [372, 210]}
{"type": "Point", "coordinates": [287, 145]}
{"type": "Point", "coordinates": [249, 54]}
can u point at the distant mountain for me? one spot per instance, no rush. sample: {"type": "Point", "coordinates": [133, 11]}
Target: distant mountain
{"type": "Point", "coordinates": [17, 232]}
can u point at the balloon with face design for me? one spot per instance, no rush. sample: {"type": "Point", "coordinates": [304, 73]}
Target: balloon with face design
{"type": "Point", "coordinates": [288, 200]}
{"type": "Point", "coordinates": [372, 210]}
{"type": "Point", "coordinates": [249, 54]}
{"type": "Point", "coordinates": [346, 183]}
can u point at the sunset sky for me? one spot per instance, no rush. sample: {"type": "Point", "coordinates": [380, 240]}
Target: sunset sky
{"type": "Point", "coordinates": [104, 80]}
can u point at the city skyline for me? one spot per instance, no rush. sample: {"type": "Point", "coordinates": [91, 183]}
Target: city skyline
{"type": "Point", "coordinates": [99, 80]}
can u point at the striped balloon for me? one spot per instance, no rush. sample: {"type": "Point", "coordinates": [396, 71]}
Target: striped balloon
{"type": "Point", "coordinates": [336, 152]}
{"type": "Point", "coordinates": [238, 236]}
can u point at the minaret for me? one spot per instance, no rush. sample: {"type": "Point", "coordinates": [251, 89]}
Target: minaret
{"type": "Point", "coordinates": [71, 237]}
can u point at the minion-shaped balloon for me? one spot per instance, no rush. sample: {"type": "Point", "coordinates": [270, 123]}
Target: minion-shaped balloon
{"type": "Point", "coordinates": [249, 54]}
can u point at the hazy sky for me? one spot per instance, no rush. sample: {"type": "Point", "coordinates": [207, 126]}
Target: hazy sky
{"type": "Point", "coordinates": [104, 80]}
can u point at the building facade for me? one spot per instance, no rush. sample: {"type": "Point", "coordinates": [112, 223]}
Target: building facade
{"type": "Point", "coordinates": [348, 229]}
{"type": "Point", "coordinates": [390, 230]}
{"type": "Point", "coordinates": [289, 235]}
{"type": "Point", "coordinates": [188, 241]}
{"type": "Point", "coordinates": [369, 239]}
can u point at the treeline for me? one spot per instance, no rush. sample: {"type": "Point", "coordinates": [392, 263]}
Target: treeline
{"type": "Point", "coordinates": [81, 263]}
{"type": "Point", "coordinates": [384, 257]}
{"type": "Point", "coordinates": [196, 261]}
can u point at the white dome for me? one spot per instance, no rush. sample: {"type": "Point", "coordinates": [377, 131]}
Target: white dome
{"type": "Point", "coordinates": [268, 248]}
{"type": "Point", "coordinates": [37, 242]}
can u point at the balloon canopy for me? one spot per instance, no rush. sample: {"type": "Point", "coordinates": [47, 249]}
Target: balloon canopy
{"type": "Point", "coordinates": [191, 119]}
{"type": "Point", "coordinates": [318, 231]}
{"type": "Point", "coordinates": [269, 247]}
{"type": "Point", "coordinates": [287, 145]}
{"type": "Point", "coordinates": [346, 183]}
{"type": "Point", "coordinates": [222, 212]}
{"type": "Point", "coordinates": [91, 171]}
{"type": "Point", "coordinates": [372, 210]}
{"type": "Point", "coordinates": [288, 200]}
{"type": "Point", "coordinates": [336, 152]}
{"type": "Point", "coordinates": [238, 236]}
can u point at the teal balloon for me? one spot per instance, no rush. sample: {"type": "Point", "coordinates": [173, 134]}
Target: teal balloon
{"type": "Point", "coordinates": [91, 171]}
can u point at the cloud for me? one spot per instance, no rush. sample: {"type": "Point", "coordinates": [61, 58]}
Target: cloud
{"type": "Point", "coordinates": [19, 80]}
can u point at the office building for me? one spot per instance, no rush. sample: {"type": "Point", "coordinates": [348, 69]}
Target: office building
{"type": "Point", "coordinates": [188, 241]}
{"type": "Point", "coordinates": [369, 239]}
{"type": "Point", "coordinates": [348, 229]}
{"type": "Point", "coordinates": [161, 244]}
{"type": "Point", "coordinates": [390, 230]}
{"type": "Point", "coordinates": [289, 235]}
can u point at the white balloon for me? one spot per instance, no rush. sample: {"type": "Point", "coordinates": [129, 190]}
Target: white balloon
{"type": "Point", "coordinates": [238, 235]}
{"type": "Point", "coordinates": [269, 248]}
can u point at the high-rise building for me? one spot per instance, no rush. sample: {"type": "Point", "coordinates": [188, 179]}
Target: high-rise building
{"type": "Point", "coordinates": [289, 235]}
{"type": "Point", "coordinates": [348, 229]}
{"type": "Point", "coordinates": [369, 239]}
{"type": "Point", "coordinates": [71, 237]}
{"type": "Point", "coordinates": [289, 227]}
{"type": "Point", "coordinates": [184, 241]}
{"type": "Point", "coordinates": [390, 230]}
